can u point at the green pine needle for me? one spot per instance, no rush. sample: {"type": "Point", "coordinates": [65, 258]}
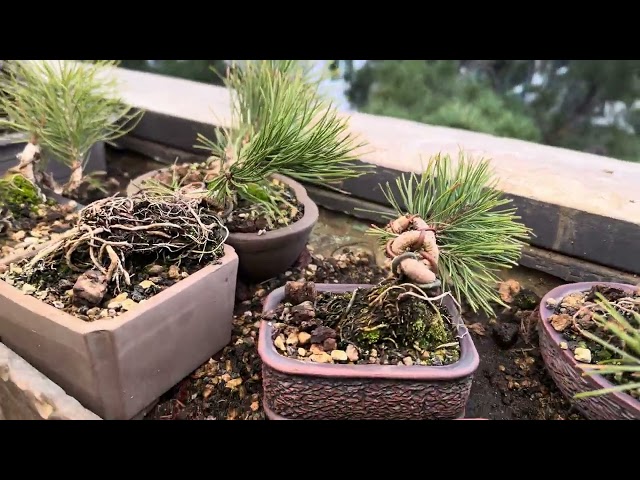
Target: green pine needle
{"type": "Point", "coordinates": [283, 126]}
{"type": "Point", "coordinates": [65, 106]}
{"type": "Point", "coordinates": [477, 234]}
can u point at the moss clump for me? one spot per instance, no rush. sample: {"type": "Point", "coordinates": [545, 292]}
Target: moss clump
{"type": "Point", "coordinates": [18, 193]}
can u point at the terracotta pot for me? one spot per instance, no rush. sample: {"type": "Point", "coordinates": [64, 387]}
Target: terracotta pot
{"type": "Point", "coordinates": [265, 256]}
{"type": "Point", "coordinates": [566, 373]}
{"type": "Point", "coordinates": [116, 367]}
{"type": "Point", "coordinates": [300, 390]}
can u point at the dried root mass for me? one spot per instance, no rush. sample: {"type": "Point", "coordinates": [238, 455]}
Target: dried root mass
{"type": "Point", "coordinates": [109, 231]}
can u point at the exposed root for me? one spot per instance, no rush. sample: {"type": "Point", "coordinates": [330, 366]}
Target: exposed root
{"type": "Point", "coordinates": [414, 251]}
{"type": "Point", "coordinates": [109, 230]}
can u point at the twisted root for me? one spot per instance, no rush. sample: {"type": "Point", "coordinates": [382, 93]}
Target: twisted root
{"type": "Point", "coordinates": [414, 252]}
{"type": "Point", "coordinates": [174, 227]}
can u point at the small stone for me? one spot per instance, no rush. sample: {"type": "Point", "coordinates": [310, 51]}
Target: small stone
{"type": "Point", "coordinates": [564, 345]}
{"type": "Point", "coordinates": [299, 292]}
{"type": "Point", "coordinates": [90, 287]}
{"type": "Point", "coordinates": [112, 312]}
{"type": "Point", "coordinates": [303, 338]}
{"type": "Point", "coordinates": [582, 355]}
{"type": "Point", "coordinates": [506, 334]}
{"type": "Point", "coordinates": [184, 274]}
{"type": "Point", "coordinates": [560, 322]}
{"type": "Point", "coordinates": [94, 312]}
{"type": "Point", "coordinates": [502, 368]}
{"type": "Point", "coordinates": [339, 356]}
{"type": "Point", "coordinates": [236, 382]}
{"type": "Point", "coordinates": [104, 313]}
{"type": "Point", "coordinates": [16, 270]}
{"type": "Point", "coordinates": [261, 293]}
{"type": "Point", "coordinates": [303, 312]}
{"type": "Point", "coordinates": [59, 305]}
{"type": "Point", "coordinates": [302, 352]}
{"type": "Point", "coordinates": [28, 289]}
{"type": "Point", "coordinates": [147, 284]}
{"type": "Point", "coordinates": [30, 241]}
{"type": "Point", "coordinates": [316, 349]}
{"type": "Point", "coordinates": [279, 343]}
{"type": "Point", "coordinates": [19, 235]}
{"type": "Point", "coordinates": [128, 304]}
{"type": "Point", "coordinates": [122, 297]}
{"type": "Point", "coordinates": [352, 353]}
{"type": "Point", "coordinates": [320, 334]}
{"type": "Point", "coordinates": [114, 305]}
{"type": "Point", "coordinates": [373, 353]}
{"type": "Point", "coordinates": [329, 344]}
{"type": "Point", "coordinates": [292, 339]}
{"type": "Point", "coordinates": [407, 361]}
{"type": "Point", "coordinates": [321, 358]}
{"type": "Point", "coordinates": [174, 272]}
{"type": "Point", "coordinates": [508, 290]}
{"type": "Point", "coordinates": [155, 269]}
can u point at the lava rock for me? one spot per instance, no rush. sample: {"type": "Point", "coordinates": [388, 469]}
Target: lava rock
{"type": "Point", "coordinates": [320, 334]}
{"type": "Point", "coordinates": [526, 300]}
{"type": "Point", "coordinates": [302, 313]}
{"type": "Point", "coordinates": [506, 334]}
{"type": "Point", "coordinates": [299, 292]}
{"type": "Point", "coordinates": [90, 288]}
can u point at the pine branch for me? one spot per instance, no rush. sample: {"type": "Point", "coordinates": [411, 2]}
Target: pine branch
{"type": "Point", "coordinates": [284, 126]}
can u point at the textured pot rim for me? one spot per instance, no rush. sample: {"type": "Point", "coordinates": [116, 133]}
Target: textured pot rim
{"type": "Point", "coordinates": [465, 366]}
{"type": "Point", "coordinates": [309, 217]}
{"type": "Point", "coordinates": [545, 313]}
{"type": "Point", "coordinates": [78, 325]}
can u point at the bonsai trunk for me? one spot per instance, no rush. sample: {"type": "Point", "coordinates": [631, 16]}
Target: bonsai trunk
{"type": "Point", "coordinates": [77, 174]}
{"type": "Point", "coordinates": [29, 157]}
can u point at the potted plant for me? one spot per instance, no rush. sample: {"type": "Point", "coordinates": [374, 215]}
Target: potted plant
{"type": "Point", "coordinates": [121, 307]}
{"type": "Point", "coordinates": [398, 349]}
{"type": "Point", "coordinates": [283, 129]}
{"type": "Point", "coordinates": [590, 343]}
{"type": "Point", "coordinates": [67, 110]}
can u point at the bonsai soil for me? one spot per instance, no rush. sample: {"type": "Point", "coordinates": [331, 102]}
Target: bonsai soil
{"type": "Point", "coordinates": [351, 328]}
{"type": "Point", "coordinates": [575, 312]}
{"type": "Point", "coordinates": [246, 217]}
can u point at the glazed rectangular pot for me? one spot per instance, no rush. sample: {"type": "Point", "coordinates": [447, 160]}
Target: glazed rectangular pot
{"type": "Point", "coordinates": [117, 367]}
{"type": "Point", "coordinates": [301, 390]}
{"type": "Point", "coordinates": [267, 255]}
{"type": "Point", "coordinates": [568, 375]}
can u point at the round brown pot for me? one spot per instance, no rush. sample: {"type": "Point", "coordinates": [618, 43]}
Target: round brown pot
{"type": "Point", "coordinates": [568, 375]}
{"type": "Point", "coordinates": [267, 255]}
{"type": "Point", "coordinates": [300, 390]}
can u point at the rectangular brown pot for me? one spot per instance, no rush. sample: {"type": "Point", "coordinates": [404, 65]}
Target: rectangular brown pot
{"type": "Point", "coordinates": [301, 390]}
{"type": "Point", "coordinates": [117, 367]}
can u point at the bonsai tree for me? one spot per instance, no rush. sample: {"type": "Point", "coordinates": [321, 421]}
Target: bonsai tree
{"type": "Point", "coordinates": [605, 326]}
{"type": "Point", "coordinates": [451, 235]}
{"type": "Point", "coordinates": [64, 108]}
{"type": "Point", "coordinates": [281, 124]}
{"type": "Point", "coordinates": [469, 232]}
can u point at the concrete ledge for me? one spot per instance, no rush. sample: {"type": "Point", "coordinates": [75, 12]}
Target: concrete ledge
{"type": "Point", "coordinates": [26, 394]}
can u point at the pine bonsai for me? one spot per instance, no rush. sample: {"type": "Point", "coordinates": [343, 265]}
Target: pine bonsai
{"type": "Point", "coordinates": [282, 125]}
{"type": "Point", "coordinates": [451, 235]}
{"type": "Point", "coordinates": [64, 108]}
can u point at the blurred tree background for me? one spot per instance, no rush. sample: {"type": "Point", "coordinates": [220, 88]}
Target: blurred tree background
{"type": "Point", "coordinates": [198, 70]}
{"type": "Point", "coordinates": [587, 105]}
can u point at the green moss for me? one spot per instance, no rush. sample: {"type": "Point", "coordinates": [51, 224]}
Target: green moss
{"type": "Point", "coordinates": [17, 192]}
{"type": "Point", "coordinates": [369, 337]}
{"type": "Point", "coordinates": [438, 333]}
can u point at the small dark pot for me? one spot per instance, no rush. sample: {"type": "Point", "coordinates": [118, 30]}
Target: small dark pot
{"type": "Point", "coordinates": [265, 256]}
{"type": "Point", "coordinates": [567, 374]}
{"type": "Point", "coordinates": [298, 390]}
